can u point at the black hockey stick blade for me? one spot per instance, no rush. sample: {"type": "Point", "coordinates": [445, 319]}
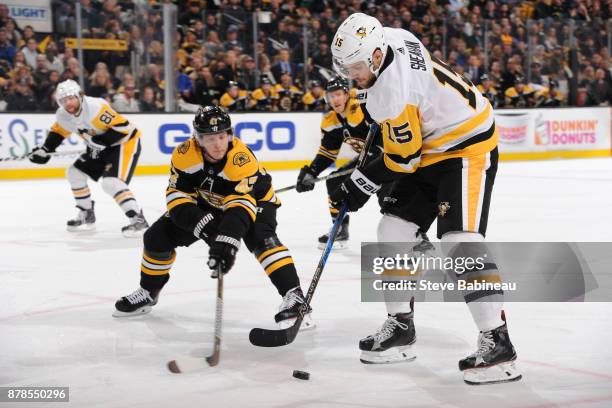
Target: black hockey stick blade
{"type": "Point", "coordinates": [275, 338]}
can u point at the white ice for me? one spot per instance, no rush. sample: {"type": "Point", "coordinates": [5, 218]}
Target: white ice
{"type": "Point", "coordinates": [58, 289]}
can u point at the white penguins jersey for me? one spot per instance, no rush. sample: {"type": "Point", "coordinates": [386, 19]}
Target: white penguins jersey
{"type": "Point", "coordinates": [97, 123]}
{"type": "Point", "coordinates": [427, 112]}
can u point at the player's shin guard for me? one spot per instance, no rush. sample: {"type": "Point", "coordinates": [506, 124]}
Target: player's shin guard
{"type": "Point", "coordinates": [80, 190]}
{"type": "Point", "coordinates": [154, 274]}
{"type": "Point", "coordinates": [278, 265]}
{"type": "Point", "coordinates": [493, 362]}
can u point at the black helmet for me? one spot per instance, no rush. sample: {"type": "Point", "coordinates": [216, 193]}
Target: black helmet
{"type": "Point", "coordinates": [211, 119]}
{"type": "Point", "coordinates": [315, 84]}
{"type": "Point", "coordinates": [337, 83]}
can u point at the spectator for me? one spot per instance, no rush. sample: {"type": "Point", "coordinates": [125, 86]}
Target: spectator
{"type": "Point", "coordinates": [264, 98]}
{"type": "Point", "coordinates": [284, 65]}
{"type": "Point", "coordinates": [290, 97]}
{"type": "Point", "coordinates": [205, 88]}
{"type": "Point", "coordinates": [53, 60]}
{"type": "Point", "coordinates": [21, 99]}
{"type": "Point", "coordinates": [314, 99]}
{"type": "Point", "coordinates": [520, 95]}
{"type": "Point", "coordinates": [600, 89]}
{"type": "Point", "coordinates": [232, 38]}
{"type": "Point", "coordinates": [30, 52]}
{"type": "Point", "coordinates": [126, 101]}
{"type": "Point", "coordinates": [148, 102]}
{"type": "Point", "coordinates": [7, 50]}
{"type": "Point", "coordinates": [193, 12]}
{"type": "Point", "coordinates": [235, 99]}
{"type": "Point", "coordinates": [247, 73]}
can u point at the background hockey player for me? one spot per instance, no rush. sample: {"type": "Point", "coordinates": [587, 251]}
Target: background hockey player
{"type": "Point", "coordinates": [220, 194]}
{"type": "Point", "coordinates": [347, 122]}
{"type": "Point", "coordinates": [113, 149]}
{"type": "Point", "coordinates": [440, 145]}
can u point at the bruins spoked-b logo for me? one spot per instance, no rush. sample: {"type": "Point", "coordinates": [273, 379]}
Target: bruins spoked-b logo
{"type": "Point", "coordinates": [361, 32]}
{"type": "Point", "coordinates": [240, 159]}
{"type": "Point", "coordinates": [443, 208]}
{"type": "Point", "coordinates": [183, 147]}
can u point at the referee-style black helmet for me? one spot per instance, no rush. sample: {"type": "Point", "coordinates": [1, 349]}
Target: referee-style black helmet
{"type": "Point", "coordinates": [209, 120]}
{"type": "Point", "coordinates": [337, 83]}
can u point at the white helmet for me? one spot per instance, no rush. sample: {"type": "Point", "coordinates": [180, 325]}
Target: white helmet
{"type": "Point", "coordinates": [356, 40]}
{"type": "Point", "coordinates": [67, 88]}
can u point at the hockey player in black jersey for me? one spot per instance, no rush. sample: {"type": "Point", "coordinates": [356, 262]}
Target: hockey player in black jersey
{"type": "Point", "coordinates": [347, 123]}
{"type": "Point", "coordinates": [220, 194]}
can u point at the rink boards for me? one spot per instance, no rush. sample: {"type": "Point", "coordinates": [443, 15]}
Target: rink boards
{"type": "Point", "coordinates": [290, 140]}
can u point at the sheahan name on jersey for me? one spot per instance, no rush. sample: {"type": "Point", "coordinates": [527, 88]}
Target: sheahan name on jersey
{"type": "Point", "coordinates": [427, 112]}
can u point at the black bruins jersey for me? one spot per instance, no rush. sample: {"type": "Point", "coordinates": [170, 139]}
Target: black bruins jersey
{"type": "Point", "coordinates": [289, 99]}
{"type": "Point", "coordinates": [233, 186]}
{"type": "Point", "coordinates": [352, 129]}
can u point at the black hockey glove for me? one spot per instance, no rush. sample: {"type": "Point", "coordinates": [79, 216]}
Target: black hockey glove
{"type": "Point", "coordinates": [39, 155]}
{"type": "Point", "coordinates": [305, 180]}
{"type": "Point", "coordinates": [355, 191]}
{"type": "Point", "coordinates": [222, 252]}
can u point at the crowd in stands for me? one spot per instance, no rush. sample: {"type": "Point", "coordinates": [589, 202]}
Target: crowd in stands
{"type": "Point", "coordinates": [518, 53]}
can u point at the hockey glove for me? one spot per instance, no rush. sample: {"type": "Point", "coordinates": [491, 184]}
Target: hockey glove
{"type": "Point", "coordinates": [305, 180]}
{"type": "Point", "coordinates": [222, 252]}
{"type": "Point", "coordinates": [39, 155]}
{"type": "Point", "coordinates": [355, 191]}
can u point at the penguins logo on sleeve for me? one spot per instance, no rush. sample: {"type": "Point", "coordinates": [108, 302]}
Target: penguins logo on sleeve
{"type": "Point", "coordinates": [240, 159]}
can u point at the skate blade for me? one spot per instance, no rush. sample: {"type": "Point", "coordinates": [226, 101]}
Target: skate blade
{"type": "Point", "coordinates": [393, 355]}
{"type": "Point", "coordinates": [336, 245]}
{"type": "Point", "coordinates": [499, 373]}
{"type": "Point", "coordinates": [82, 228]}
{"type": "Point", "coordinates": [307, 323]}
{"type": "Point", "coordinates": [137, 312]}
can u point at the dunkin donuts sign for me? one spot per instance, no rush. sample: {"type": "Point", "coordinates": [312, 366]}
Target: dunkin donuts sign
{"type": "Point", "coordinates": [512, 128]}
{"type": "Point", "coordinates": [567, 132]}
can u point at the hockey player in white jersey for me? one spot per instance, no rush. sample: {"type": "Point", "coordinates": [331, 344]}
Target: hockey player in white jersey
{"type": "Point", "coordinates": [113, 149]}
{"type": "Point", "coordinates": [440, 148]}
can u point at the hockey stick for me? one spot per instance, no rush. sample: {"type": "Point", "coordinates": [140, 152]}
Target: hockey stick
{"type": "Point", "coordinates": [328, 177]}
{"type": "Point", "coordinates": [282, 337]}
{"type": "Point", "coordinates": [189, 364]}
{"type": "Point", "coordinates": [53, 154]}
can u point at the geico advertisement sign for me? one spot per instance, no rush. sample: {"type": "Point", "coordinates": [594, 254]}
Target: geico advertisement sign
{"type": "Point", "coordinates": [275, 135]}
{"type": "Point", "coordinates": [272, 137]}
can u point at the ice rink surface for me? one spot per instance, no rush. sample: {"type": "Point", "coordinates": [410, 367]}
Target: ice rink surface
{"type": "Point", "coordinates": [58, 291]}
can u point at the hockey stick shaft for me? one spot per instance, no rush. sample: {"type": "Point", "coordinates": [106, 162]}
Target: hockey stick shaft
{"type": "Point", "coordinates": [54, 154]}
{"type": "Point", "coordinates": [213, 359]}
{"type": "Point", "coordinates": [328, 177]}
{"type": "Point", "coordinates": [275, 338]}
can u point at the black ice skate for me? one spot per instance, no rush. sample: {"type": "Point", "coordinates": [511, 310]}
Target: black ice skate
{"type": "Point", "coordinates": [288, 310]}
{"type": "Point", "coordinates": [138, 225]}
{"type": "Point", "coordinates": [84, 221]}
{"type": "Point", "coordinates": [493, 362]}
{"type": "Point", "coordinates": [342, 238]}
{"type": "Point", "coordinates": [392, 343]}
{"type": "Point", "coordinates": [139, 302]}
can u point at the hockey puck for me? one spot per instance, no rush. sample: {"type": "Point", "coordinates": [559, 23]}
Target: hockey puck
{"type": "Point", "coordinates": [301, 375]}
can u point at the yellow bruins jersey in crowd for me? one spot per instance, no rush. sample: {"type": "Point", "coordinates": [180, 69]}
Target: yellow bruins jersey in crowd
{"type": "Point", "coordinates": [427, 112]}
{"type": "Point", "coordinates": [97, 123]}
{"type": "Point", "coordinates": [314, 103]}
{"type": "Point", "coordinates": [262, 101]}
{"type": "Point", "coordinates": [234, 104]}
{"type": "Point", "coordinates": [236, 182]}
{"type": "Point", "coordinates": [520, 98]}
